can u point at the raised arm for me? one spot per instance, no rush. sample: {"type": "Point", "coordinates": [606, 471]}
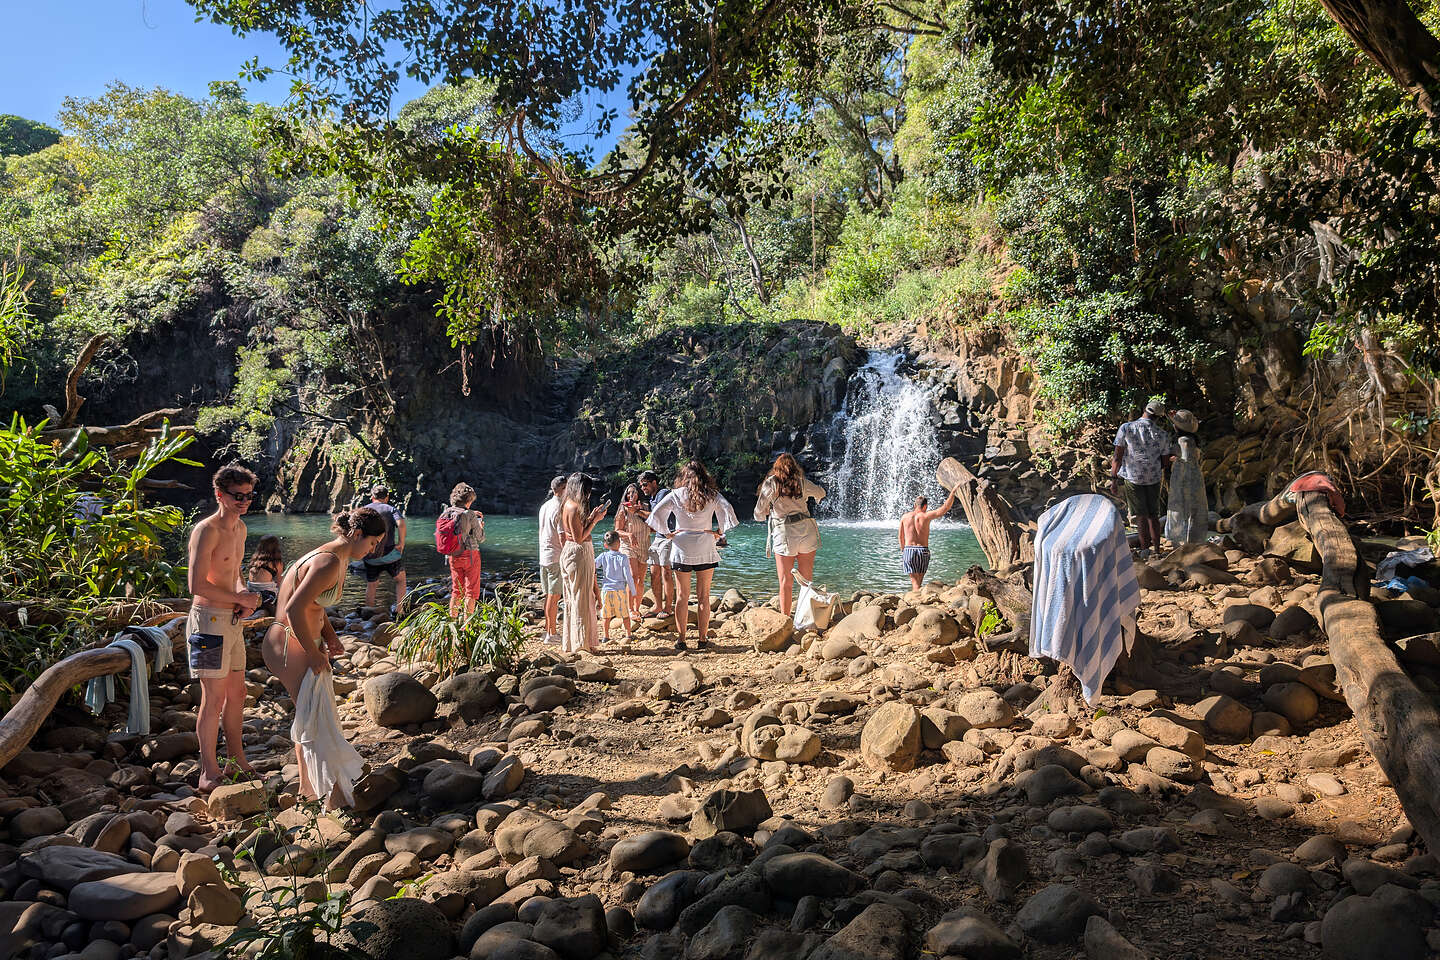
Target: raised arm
{"type": "Point", "coordinates": [660, 517]}
{"type": "Point", "coordinates": [814, 491]}
{"type": "Point", "coordinates": [943, 509]}
{"type": "Point", "coordinates": [763, 501]}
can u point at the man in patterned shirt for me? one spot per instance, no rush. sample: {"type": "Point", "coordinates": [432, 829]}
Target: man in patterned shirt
{"type": "Point", "coordinates": [1142, 448]}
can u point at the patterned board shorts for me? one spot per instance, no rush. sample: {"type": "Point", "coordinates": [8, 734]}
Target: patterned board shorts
{"type": "Point", "coordinates": [916, 560]}
{"type": "Point", "coordinates": [614, 603]}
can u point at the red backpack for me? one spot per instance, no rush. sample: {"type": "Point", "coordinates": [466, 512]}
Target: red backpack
{"type": "Point", "coordinates": [447, 537]}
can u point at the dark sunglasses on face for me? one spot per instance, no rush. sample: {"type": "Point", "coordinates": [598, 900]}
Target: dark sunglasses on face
{"type": "Point", "coordinates": [242, 497]}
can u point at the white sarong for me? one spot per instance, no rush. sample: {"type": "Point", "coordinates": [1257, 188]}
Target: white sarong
{"type": "Point", "coordinates": [330, 761]}
{"type": "Point", "coordinates": [1086, 594]}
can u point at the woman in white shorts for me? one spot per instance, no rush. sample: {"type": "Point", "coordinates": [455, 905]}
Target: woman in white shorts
{"type": "Point", "coordinates": [783, 503]}
{"type": "Point", "coordinates": [698, 508]}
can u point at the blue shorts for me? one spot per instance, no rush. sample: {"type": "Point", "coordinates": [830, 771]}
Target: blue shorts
{"type": "Point", "coordinates": [916, 560]}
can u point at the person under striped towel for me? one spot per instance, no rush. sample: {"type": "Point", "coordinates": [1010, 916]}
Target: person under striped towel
{"type": "Point", "coordinates": [1086, 595]}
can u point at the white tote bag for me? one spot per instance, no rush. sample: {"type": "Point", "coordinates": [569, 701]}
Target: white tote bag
{"type": "Point", "coordinates": [813, 607]}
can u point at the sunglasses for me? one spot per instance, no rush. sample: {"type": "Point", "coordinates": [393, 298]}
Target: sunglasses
{"type": "Point", "coordinates": [242, 497]}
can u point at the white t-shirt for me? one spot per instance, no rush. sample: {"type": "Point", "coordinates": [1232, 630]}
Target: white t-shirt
{"type": "Point", "coordinates": [550, 541]}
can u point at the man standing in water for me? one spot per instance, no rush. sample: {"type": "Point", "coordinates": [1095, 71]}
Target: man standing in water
{"type": "Point", "coordinates": [215, 637]}
{"type": "Point", "coordinates": [1142, 448]}
{"type": "Point", "coordinates": [915, 537]}
{"type": "Point", "coordinates": [662, 578]}
{"type": "Point", "coordinates": [389, 554]}
{"type": "Point", "coordinates": [550, 545]}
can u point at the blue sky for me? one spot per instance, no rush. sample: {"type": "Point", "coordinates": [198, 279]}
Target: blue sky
{"type": "Point", "coordinates": [59, 48]}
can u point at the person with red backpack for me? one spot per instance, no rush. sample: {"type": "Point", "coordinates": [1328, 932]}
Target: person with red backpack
{"type": "Point", "coordinates": [459, 531]}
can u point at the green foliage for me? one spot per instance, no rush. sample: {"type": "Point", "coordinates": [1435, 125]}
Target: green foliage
{"type": "Point", "coordinates": [59, 565]}
{"type": "Point", "coordinates": [992, 622]}
{"type": "Point", "coordinates": [281, 921]}
{"type": "Point", "coordinates": [16, 324]}
{"type": "Point", "coordinates": [492, 635]}
{"type": "Point", "coordinates": [19, 136]}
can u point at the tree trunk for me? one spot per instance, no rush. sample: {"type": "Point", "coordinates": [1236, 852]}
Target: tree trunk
{"type": "Point", "coordinates": [20, 725]}
{"type": "Point", "coordinates": [1395, 38]}
{"type": "Point", "coordinates": [1399, 723]}
{"type": "Point", "coordinates": [1006, 544]}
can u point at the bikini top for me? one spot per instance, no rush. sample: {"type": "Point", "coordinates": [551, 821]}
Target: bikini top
{"type": "Point", "coordinates": [332, 596]}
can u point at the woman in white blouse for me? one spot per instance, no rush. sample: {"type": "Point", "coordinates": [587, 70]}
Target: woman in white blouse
{"type": "Point", "coordinates": [783, 502]}
{"type": "Point", "coordinates": [698, 508]}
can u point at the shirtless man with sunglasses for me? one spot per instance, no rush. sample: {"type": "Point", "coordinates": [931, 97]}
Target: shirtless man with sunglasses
{"type": "Point", "coordinates": [215, 634]}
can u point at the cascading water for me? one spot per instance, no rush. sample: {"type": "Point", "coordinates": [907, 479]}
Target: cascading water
{"type": "Point", "coordinates": [883, 448]}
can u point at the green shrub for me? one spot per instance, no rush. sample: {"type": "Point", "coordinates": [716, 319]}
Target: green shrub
{"type": "Point", "coordinates": [492, 635]}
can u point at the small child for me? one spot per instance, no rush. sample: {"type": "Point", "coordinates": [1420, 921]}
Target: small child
{"type": "Point", "coordinates": [617, 584]}
{"type": "Point", "coordinates": [266, 567]}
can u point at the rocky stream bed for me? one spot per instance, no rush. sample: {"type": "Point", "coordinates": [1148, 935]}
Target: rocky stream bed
{"type": "Point", "coordinates": [886, 790]}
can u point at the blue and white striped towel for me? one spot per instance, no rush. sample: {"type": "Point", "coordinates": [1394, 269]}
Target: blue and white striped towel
{"type": "Point", "coordinates": [1086, 595]}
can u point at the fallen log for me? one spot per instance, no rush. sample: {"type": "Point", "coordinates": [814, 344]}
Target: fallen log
{"type": "Point", "coordinates": [1006, 543]}
{"type": "Point", "coordinates": [23, 721]}
{"type": "Point", "coordinates": [1398, 721]}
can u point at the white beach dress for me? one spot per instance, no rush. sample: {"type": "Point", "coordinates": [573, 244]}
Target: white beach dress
{"type": "Point", "coordinates": [329, 758]}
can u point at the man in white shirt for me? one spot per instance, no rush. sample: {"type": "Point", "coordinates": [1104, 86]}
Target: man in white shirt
{"type": "Point", "coordinates": [1142, 450]}
{"type": "Point", "coordinates": [550, 545]}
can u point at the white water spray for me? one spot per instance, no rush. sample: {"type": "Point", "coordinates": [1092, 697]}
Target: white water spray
{"type": "Point", "coordinates": [883, 448]}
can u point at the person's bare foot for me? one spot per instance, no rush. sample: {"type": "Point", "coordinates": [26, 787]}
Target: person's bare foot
{"type": "Point", "coordinates": [207, 783]}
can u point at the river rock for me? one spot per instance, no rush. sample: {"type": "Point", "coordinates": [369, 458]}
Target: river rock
{"type": "Point", "coordinates": [768, 630]}
{"type": "Point", "coordinates": [453, 784]}
{"type": "Point", "coordinates": [793, 875]}
{"type": "Point", "coordinates": [891, 738]}
{"type": "Point", "coordinates": [1367, 928]}
{"type": "Point", "coordinates": [788, 742]}
{"type": "Point", "coordinates": [1003, 870]}
{"type": "Point", "coordinates": [684, 678]}
{"type": "Point", "coordinates": [234, 801]}
{"type": "Point", "coordinates": [397, 699]}
{"type": "Point", "coordinates": [1173, 765]}
{"type": "Point", "coordinates": [1225, 715]}
{"type": "Point", "coordinates": [402, 929]}
{"type": "Point", "coordinates": [935, 627]}
{"type": "Point", "coordinates": [504, 778]}
{"type": "Point", "coordinates": [660, 906]}
{"type": "Point", "coordinates": [1103, 942]}
{"type": "Point", "coordinates": [1049, 782]}
{"type": "Point", "coordinates": [840, 648]}
{"type": "Point", "coordinates": [427, 843]}
{"type": "Point", "coordinates": [37, 822]}
{"type": "Point", "coordinates": [1294, 701]}
{"type": "Point", "coordinates": [1080, 818]}
{"type": "Point", "coordinates": [939, 727]}
{"type": "Point", "coordinates": [64, 867]}
{"type": "Point", "coordinates": [648, 852]}
{"type": "Point", "coordinates": [1290, 620]}
{"type": "Point", "coordinates": [468, 696]}
{"type": "Point", "coordinates": [125, 897]}
{"type": "Point", "coordinates": [880, 932]}
{"type": "Point", "coordinates": [965, 932]}
{"type": "Point", "coordinates": [574, 928]}
{"type": "Point", "coordinates": [863, 623]}
{"type": "Point", "coordinates": [546, 697]}
{"type": "Point", "coordinates": [1056, 914]}
{"type": "Point", "coordinates": [1252, 613]}
{"type": "Point", "coordinates": [215, 903]}
{"type": "Point", "coordinates": [985, 709]}
{"type": "Point", "coordinates": [724, 937]}
{"type": "Point", "coordinates": [1174, 736]}
{"type": "Point", "coordinates": [736, 811]}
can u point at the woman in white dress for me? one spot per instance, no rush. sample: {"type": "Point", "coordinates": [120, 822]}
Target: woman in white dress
{"type": "Point", "coordinates": [702, 516]}
{"type": "Point", "coordinates": [1187, 519]}
{"type": "Point", "coordinates": [783, 503]}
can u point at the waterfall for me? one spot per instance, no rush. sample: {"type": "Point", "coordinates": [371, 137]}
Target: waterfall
{"type": "Point", "coordinates": [883, 448]}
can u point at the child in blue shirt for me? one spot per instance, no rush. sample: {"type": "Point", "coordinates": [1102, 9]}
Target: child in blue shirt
{"type": "Point", "coordinates": [617, 584]}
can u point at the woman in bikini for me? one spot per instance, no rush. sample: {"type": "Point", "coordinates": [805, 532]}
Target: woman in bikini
{"type": "Point", "coordinates": [267, 566]}
{"type": "Point", "coordinates": [293, 644]}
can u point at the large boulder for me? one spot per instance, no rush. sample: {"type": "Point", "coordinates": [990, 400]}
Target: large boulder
{"type": "Point", "coordinates": [934, 626]}
{"type": "Point", "coordinates": [574, 928]}
{"type": "Point", "coordinates": [880, 932]}
{"type": "Point", "coordinates": [126, 897]}
{"type": "Point", "coordinates": [863, 623]}
{"type": "Point", "coordinates": [794, 875]}
{"type": "Point", "coordinates": [453, 784]}
{"type": "Point", "coordinates": [469, 696]}
{"type": "Point", "coordinates": [768, 630]}
{"type": "Point", "coordinates": [1056, 914]}
{"type": "Point", "coordinates": [648, 852]}
{"type": "Point", "coordinates": [397, 699]}
{"type": "Point", "coordinates": [1369, 928]}
{"type": "Point", "coordinates": [64, 867]}
{"type": "Point", "coordinates": [232, 801]}
{"type": "Point", "coordinates": [985, 709]}
{"type": "Point", "coordinates": [736, 811]}
{"type": "Point", "coordinates": [400, 929]}
{"type": "Point", "coordinates": [891, 738]}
